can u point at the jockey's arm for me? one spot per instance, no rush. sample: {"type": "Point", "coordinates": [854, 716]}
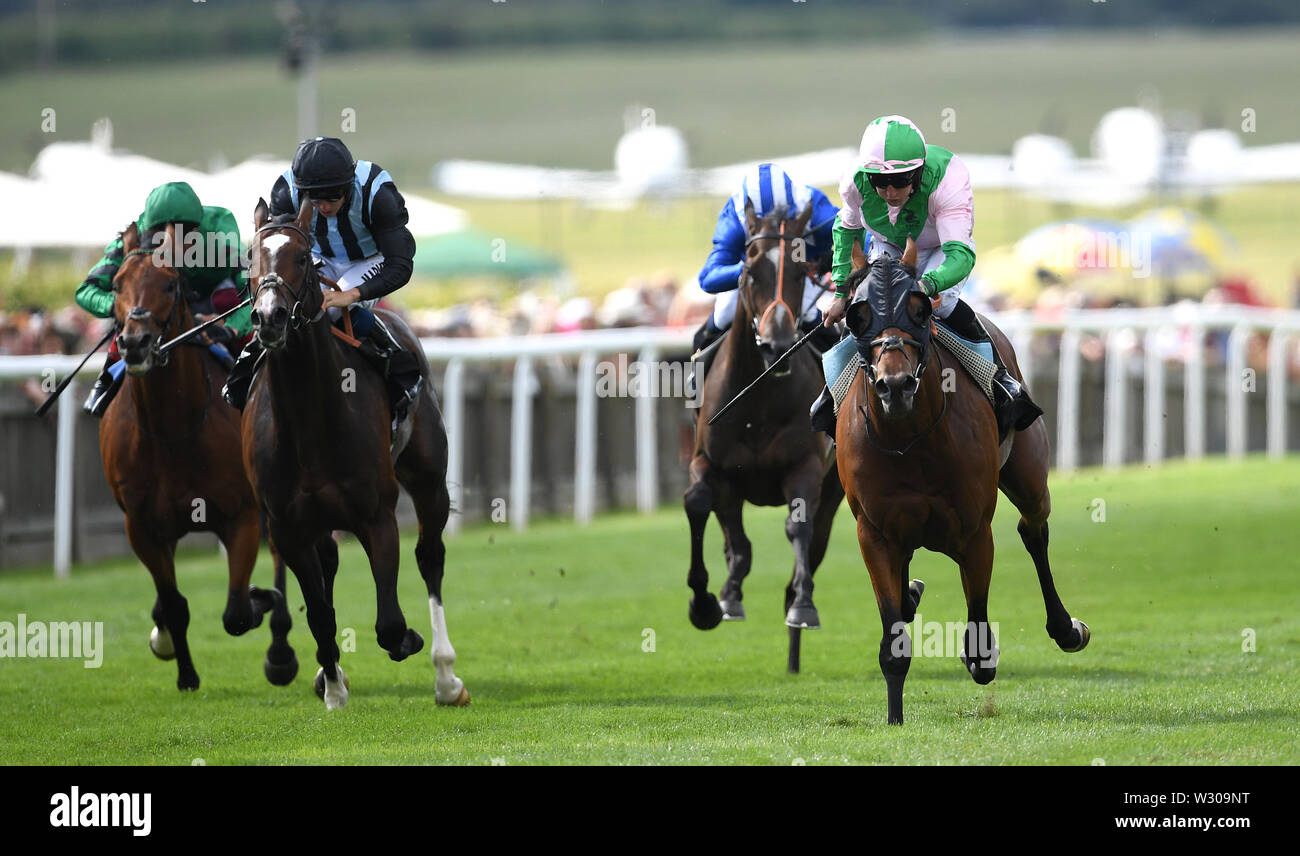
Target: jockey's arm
{"type": "Point", "coordinates": [388, 220]}
{"type": "Point", "coordinates": [95, 294]}
{"type": "Point", "coordinates": [721, 271]}
{"type": "Point", "coordinates": [952, 207]}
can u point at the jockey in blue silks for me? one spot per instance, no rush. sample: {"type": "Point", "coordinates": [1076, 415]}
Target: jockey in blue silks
{"type": "Point", "coordinates": [767, 187]}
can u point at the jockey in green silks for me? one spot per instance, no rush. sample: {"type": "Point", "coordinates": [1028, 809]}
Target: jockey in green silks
{"type": "Point", "coordinates": [210, 263]}
{"type": "Point", "coordinates": [902, 188]}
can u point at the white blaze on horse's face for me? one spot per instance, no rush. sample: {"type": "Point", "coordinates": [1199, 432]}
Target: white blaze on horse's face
{"type": "Point", "coordinates": [270, 315]}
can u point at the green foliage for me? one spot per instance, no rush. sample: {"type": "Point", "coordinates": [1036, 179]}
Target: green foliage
{"type": "Point", "coordinates": [549, 628]}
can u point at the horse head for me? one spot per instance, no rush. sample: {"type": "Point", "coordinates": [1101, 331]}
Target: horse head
{"type": "Point", "coordinates": [149, 301]}
{"type": "Point", "coordinates": [772, 281]}
{"type": "Point", "coordinates": [282, 277]}
{"type": "Point", "coordinates": [890, 314]}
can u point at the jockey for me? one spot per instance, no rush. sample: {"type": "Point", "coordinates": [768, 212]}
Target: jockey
{"type": "Point", "coordinates": [215, 284]}
{"type": "Point", "coordinates": [362, 243]}
{"type": "Point", "coordinates": [901, 188]}
{"type": "Point", "coordinates": [767, 187]}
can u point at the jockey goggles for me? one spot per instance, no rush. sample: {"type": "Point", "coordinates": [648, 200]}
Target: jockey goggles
{"type": "Point", "coordinates": [892, 179]}
{"type": "Point", "coordinates": [328, 194]}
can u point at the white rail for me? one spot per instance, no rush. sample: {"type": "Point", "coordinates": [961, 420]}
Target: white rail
{"type": "Point", "coordinates": [1120, 329]}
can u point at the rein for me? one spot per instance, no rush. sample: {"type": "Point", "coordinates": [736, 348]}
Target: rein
{"type": "Point", "coordinates": [310, 277]}
{"type": "Point", "coordinates": [897, 343]}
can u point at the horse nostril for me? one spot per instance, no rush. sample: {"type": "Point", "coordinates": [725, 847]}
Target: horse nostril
{"type": "Point", "coordinates": [911, 385]}
{"type": "Point", "coordinates": [256, 318]}
{"type": "Point", "coordinates": [279, 315]}
{"type": "Point", "coordinates": [882, 388]}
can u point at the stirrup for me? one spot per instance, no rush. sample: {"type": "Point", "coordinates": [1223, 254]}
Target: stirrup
{"type": "Point", "coordinates": [105, 388]}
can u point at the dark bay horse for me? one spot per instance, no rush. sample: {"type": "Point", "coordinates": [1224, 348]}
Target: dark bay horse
{"type": "Point", "coordinates": [763, 450]}
{"type": "Point", "coordinates": [170, 447]}
{"type": "Point", "coordinates": [316, 448]}
{"type": "Point", "coordinates": [921, 464]}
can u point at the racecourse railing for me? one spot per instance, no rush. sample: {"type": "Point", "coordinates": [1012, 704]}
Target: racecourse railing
{"type": "Point", "coordinates": [1120, 330]}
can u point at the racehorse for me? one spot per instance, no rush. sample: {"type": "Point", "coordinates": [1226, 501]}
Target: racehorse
{"type": "Point", "coordinates": [921, 463]}
{"type": "Point", "coordinates": [170, 448]}
{"type": "Point", "coordinates": [317, 450]}
{"type": "Point", "coordinates": [763, 450]}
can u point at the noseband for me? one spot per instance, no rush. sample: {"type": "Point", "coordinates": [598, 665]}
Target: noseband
{"type": "Point", "coordinates": [139, 313]}
{"type": "Point", "coordinates": [755, 320]}
{"type": "Point", "coordinates": [275, 282]}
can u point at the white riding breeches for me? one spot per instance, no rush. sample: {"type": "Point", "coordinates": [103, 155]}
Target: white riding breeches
{"type": "Point", "coordinates": [348, 274]}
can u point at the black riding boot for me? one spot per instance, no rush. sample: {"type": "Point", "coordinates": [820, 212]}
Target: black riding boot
{"type": "Point", "coordinates": [235, 392]}
{"type": "Point", "coordinates": [822, 414]}
{"type": "Point", "coordinates": [106, 386]}
{"type": "Point", "coordinates": [399, 367]}
{"type": "Point", "coordinates": [705, 336]}
{"type": "Point", "coordinates": [1013, 407]}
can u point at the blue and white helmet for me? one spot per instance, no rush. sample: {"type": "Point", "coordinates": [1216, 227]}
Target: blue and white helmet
{"type": "Point", "coordinates": [768, 186]}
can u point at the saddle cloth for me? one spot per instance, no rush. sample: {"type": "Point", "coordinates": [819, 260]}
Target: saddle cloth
{"type": "Point", "coordinates": [975, 357]}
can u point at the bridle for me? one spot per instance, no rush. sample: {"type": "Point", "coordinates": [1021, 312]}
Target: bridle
{"type": "Point", "coordinates": [139, 313]}
{"type": "Point", "coordinates": [755, 320]}
{"type": "Point", "coordinates": [278, 284]}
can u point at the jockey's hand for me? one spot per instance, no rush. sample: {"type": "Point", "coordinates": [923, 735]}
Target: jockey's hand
{"type": "Point", "coordinates": [835, 312]}
{"type": "Point", "coordinates": [341, 299]}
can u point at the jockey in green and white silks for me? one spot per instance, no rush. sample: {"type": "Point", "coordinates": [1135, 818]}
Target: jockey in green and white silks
{"type": "Point", "coordinates": [902, 188]}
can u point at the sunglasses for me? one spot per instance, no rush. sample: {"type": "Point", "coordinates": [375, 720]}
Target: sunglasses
{"type": "Point", "coordinates": [896, 179]}
{"type": "Point", "coordinates": [332, 194]}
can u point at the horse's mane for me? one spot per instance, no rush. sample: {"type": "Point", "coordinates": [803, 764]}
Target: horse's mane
{"type": "Point", "coordinates": [281, 219]}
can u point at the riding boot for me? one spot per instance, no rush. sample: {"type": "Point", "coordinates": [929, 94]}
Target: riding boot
{"type": "Point", "coordinates": [106, 387]}
{"type": "Point", "coordinates": [822, 413]}
{"type": "Point", "coordinates": [1013, 406]}
{"type": "Point", "coordinates": [235, 392]}
{"type": "Point", "coordinates": [705, 336]}
{"type": "Point", "coordinates": [399, 367]}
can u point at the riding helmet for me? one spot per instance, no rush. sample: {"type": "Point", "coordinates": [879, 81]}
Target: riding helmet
{"type": "Point", "coordinates": [890, 145]}
{"type": "Point", "coordinates": [321, 163]}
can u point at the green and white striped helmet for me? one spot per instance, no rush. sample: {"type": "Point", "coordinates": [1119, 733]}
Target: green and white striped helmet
{"type": "Point", "coordinates": [891, 144]}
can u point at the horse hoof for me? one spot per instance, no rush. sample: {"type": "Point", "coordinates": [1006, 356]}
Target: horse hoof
{"type": "Point", "coordinates": [187, 683]}
{"type": "Point", "coordinates": [412, 643]}
{"type": "Point", "coordinates": [264, 600]}
{"type": "Point", "coordinates": [982, 671]}
{"type": "Point", "coordinates": [282, 674]}
{"type": "Point", "coordinates": [916, 589]}
{"type": "Point", "coordinates": [707, 614]}
{"type": "Point", "coordinates": [461, 699]}
{"type": "Point", "coordinates": [732, 610]}
{"type": "Point", "coordinates": [1084, 635]}
{"type": "Point", "coordinates": [803, 617]}
{"type": "Point", "coordinates": [332, 701]}
{"type": "Point", "coordinates": [160, 643]}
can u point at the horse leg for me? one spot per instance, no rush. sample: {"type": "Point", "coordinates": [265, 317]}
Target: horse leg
{"type": "Point", "coordinates": [281, 664]}
{"type": "Point", "coordinates": [1024, 481]}
{"type": "Point", "coordinates": [980, 654]}
{"type": "Point", "coordinates": [738, 550]}
{"type": "Point", "coordinates": [802, 491]}
{"type": "Point", "coordinates": [827, 505]}
{"type": "Point", "coordinates": [432, 506]}
{"type": "Point", "coordinates": [914, 590]}
{"type": "Point", "coordinates": [704, 610]}
{"type": "Point", "coordinates": [884, 563]}
{"type": "Point", "coordinates": [245, 604]}
{"type": "Point", "coordinates": [171, 612]}
{"type": "Point", "coordinates": [331, 683]}
{"type": "Point", "coordinates": [382, 544]}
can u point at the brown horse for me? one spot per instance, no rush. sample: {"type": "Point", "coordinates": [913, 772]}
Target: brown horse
{"type": "Point", "coordinates": [922, 466]}
{"type": "Point", "coordinates": [763, 450]}
{"type": "Point", "coordinates": [170, 448]}
{"type": "Point", "coordinates": [317, 449]}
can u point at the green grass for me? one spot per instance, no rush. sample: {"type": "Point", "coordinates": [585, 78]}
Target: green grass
{"type": "Point", "coordinates": [549, 624]}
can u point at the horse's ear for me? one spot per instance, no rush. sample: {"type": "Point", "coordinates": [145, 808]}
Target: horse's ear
{"type": "Point", "coordinates": [751, 219]}
{"type": "Point", "coordinates": [261, 214]}
{"type": "Point", "coordinates": [304, 214]}
{"type": "Point", "coordinates": [859, 258]}
{"type": "Point", "coordinates": [909, 254]}
{"type": "Point", "coordinates": [166, 245]}
{"type": "Point", "coordinates": [131, 238]}
{"type": "Point", "coordinates": [801, 222]}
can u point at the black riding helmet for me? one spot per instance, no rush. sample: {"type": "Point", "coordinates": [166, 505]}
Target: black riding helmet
{"type": "Point", "coordinates": [323, 167]}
